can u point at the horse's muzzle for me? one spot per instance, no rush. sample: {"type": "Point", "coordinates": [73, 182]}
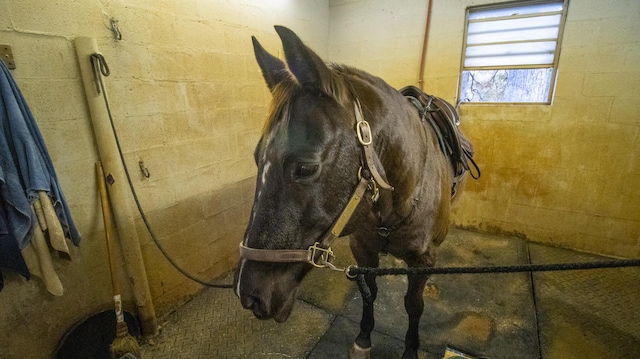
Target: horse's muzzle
{"type": "Point", "coordinates": [267, 293]}
{"type": "Point", "coordinates": [256, 306]}
{"type": "Point", "coordinates": [265, 311]}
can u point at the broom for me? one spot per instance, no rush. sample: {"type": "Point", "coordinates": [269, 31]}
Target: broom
{"type": "Point", "coordinates": [124, 344]}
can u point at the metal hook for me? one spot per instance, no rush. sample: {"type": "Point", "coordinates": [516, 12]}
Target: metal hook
{"type": "Point", "coordinates": [466, 99]}
{"type": "Point", "coordinates": [116, 29]}
{"type": "Point", "coordinates": [145, 170]}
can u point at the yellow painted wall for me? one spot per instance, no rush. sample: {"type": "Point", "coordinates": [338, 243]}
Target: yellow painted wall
{"type": "Point", "coordinates": [188, 99]}
{"type": "Point", "coordinates": [381, 37]}
{"type": "Point", "coordinates": [566, 174]}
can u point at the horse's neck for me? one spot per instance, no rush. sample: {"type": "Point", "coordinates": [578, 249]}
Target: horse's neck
{"type": "Point", "coordinates": [409, 154]}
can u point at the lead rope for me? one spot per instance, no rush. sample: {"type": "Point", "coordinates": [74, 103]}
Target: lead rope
{"type": "Point", "coordinates": [100, 68]}
{"type": "Point", "coordinates": [357, 272]}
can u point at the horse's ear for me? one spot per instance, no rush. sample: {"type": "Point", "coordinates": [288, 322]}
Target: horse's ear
{"type": "Point", "coordinates": [307, 67]}
{"type": "Point", "coordinates": [273, 70]}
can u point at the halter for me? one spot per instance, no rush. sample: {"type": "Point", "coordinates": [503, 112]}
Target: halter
{"type": "Point", "coordinates": [320, 254]}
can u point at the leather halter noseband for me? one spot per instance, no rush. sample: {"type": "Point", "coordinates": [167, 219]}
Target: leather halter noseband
{"type": "Point", "coordinates": [320, 253]}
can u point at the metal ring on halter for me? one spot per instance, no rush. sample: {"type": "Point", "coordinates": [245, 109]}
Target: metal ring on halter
{"type": "Point", "coordinates": [348, 269]}
{"type": "Point", "coordinates": [326, 254]}
{"type": "Point", "coordinates": [372, 186]}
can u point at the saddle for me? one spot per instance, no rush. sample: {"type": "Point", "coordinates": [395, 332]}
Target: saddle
{"type": "Point", "coordinates": [444, 120]}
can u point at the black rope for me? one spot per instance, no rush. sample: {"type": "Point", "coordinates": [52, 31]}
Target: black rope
{"type": "Point", "coordinates": [99, 65]}
{"type": "Point", "coordinates": [620, 263]}
{"type": "Point", "coordinates": [359, 273]}
{"type": "Point", "coordinates": [363, 287]}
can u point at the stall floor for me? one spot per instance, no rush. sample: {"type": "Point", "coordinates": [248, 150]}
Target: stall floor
{"type": "Point", "coordinates": [552, 315]}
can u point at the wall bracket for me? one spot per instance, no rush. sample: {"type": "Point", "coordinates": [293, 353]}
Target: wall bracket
{"type": "Point", "coordinates": [6, 55]}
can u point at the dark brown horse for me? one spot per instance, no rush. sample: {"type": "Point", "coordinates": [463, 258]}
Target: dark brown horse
{"type": "Point", "coordinates": [334, 139]}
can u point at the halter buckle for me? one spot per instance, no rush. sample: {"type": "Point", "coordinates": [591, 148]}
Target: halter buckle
{"type": "Point", "coordinates": [325, 256]}
{"type": "Point", "coordinates": [364, 132]}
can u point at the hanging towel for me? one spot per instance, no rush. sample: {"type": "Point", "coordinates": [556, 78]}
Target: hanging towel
{"type": "Point", "coordinates": [10, 256]}
{"type": "Point", "coordinates": [25, 166]}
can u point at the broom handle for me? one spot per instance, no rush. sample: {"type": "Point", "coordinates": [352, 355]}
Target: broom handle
{"type": "Point", "coordinates": [106, 216]}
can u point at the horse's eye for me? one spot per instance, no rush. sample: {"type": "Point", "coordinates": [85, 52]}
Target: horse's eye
{"type": "Point", "coordinates": [306, 170]}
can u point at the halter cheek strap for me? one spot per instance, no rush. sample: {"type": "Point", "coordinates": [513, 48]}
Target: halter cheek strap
{"type": "Point", "coordinates": [320, 253]}
{"type": "Point", "coordinates": [366, 140]}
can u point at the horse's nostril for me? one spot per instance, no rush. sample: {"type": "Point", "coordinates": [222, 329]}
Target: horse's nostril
{"type": "Point", "coordinates": [250, 302]}
{"type": "Point", "coordinates": [256, 305]}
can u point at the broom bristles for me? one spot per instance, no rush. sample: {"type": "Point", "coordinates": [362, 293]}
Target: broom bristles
{"type": "Point", "coordinates": [124, 343]}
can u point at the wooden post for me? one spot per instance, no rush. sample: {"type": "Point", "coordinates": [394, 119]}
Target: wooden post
{"type": "Point", "coordinates": [119, 191]}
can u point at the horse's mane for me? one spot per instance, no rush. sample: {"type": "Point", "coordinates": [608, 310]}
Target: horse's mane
{"type": "Point", "coordinates": [340, 84]}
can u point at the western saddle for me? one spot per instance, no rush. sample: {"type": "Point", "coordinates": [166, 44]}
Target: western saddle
{"type": "Point", "coordinates": [444, 119]}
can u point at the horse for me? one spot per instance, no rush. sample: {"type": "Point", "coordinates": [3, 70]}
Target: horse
{"type": "Point", "coordinates": [342, 153]}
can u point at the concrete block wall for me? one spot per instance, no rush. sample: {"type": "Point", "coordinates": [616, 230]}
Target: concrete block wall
{"type": "Point", "coordinates": [188, 99]}
{"type": "Point", "coordinates": [566, 174]}
{"type": "Point", "coordinates": [381, 37]}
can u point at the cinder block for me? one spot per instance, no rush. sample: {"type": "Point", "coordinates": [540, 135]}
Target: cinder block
{"type": "Point", "coordinates": [600, 58]}
{"type": "Point", "coordinates": [593, 9]}
{"type": "Point", "coordinates": [144, 26]}
{"type": "Point", "coordinates": [157, 191]}
{"type": "Point", "coordinates": [57, 19]}
{"type": "Point", "coordinates": [154, 97]}
{"type": "Point", "coordinates": [568, 84]}
{"type": "Point", "coordinates": [5, 21]}
{"type": "Point", "coordinates": [625, 109]}
{"type": "Point", "coordinates": [127, 59]}
{"type": "Point", "coordinates": [53, 99]}
{"type": "Point", "coordinates": [179, 8]}
{"type": "Point", "coordinates": [173, 64]}
{"type": "Point", "coordinates": [242, 167]}
{"type": "Point", "coordinates": [141, 132]}
{"type": "Point", "coordinates": [204, 97]}
{"type": "Point", "coordinates": [237, 40]}
{"type": "Point", "coordinates": [42, 57]}
{"type": "Point", "coordinates": [578, 33]}
{"type": "Point", "coordinates": [578, 109]}
{"type": "Point", "coordinates": [619, 84]}
{"type": "Point", "coordinates": [198, 33]}
{"type": "Point", "coordinates": [193, 183]}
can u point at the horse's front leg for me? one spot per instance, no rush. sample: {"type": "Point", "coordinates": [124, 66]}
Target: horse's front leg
{"type": "Point", "coordinates": [362, 345]}
{"type": "Point", "coordinates": [414, 305]}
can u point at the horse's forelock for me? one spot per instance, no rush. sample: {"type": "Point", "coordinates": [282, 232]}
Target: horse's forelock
{"type": "Point", "coordinates": [280, 102]}
{"type": "Point", "coordinates": [283, 93]}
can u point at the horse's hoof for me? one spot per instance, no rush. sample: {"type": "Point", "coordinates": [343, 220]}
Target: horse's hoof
{"type": "Point", "coordinates": [357, 352]}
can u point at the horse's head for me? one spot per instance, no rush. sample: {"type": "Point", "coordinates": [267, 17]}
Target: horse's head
{"type": "Point", "coordinates": [308, 160]}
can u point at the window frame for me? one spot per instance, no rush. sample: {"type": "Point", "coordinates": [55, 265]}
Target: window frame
{"type": "Point", "coordinates": [509, 4]}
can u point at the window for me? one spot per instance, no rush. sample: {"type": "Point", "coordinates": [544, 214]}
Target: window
{"type": "Point", "coordinates": [511, 51]}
